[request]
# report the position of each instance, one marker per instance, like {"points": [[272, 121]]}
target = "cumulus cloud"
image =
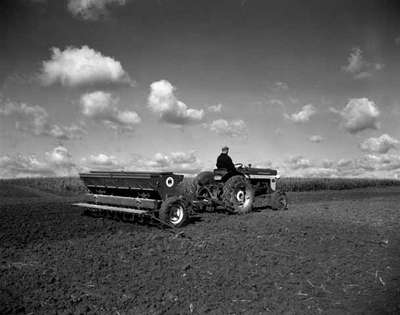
{"points": [[23, 166], [358, 67], [366, 166], [34, 120], [359, 114], [103, 162], [380, 144], [215, 108], [81, 67], [60, 159], [369, 165], [303, 115], [233, 128], [316, 138], [300, 166], [92, 9], [297, 162], [183, 162], [57, 162], [385, 162], [163, 101], [102, 106]]}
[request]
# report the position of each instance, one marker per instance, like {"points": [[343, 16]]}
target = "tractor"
{"points": [[130, 195], [236, 191]]}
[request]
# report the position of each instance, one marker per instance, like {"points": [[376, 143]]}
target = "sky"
{"points": [[310, 88]]}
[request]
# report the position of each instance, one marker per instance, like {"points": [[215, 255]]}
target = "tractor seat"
{"points": [[220, 171]]}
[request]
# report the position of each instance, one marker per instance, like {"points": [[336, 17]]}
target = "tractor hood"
{"points": [[259, 171]]}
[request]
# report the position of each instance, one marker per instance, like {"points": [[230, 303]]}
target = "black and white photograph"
{"points": [[162, 157]]}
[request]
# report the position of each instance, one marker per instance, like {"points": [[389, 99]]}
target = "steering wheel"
{"points": [[239, 165]]}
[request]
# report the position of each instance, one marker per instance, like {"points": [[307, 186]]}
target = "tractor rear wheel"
{"points": [[174, 211], [238, 194]]}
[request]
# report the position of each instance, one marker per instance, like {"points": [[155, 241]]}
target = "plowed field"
{"points": [[332, 252]]}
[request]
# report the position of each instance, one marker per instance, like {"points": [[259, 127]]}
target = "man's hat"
{"points": [[225, 148]]}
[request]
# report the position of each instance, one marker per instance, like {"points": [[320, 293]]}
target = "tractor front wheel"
{"points": [[238, 194], [174, 211], [279, 201]]}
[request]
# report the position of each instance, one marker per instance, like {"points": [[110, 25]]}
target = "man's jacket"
{"points": [[224, 161]]}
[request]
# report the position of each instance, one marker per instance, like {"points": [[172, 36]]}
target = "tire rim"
{"points": [[240, 196], [169, 182], [176, 214], [283, 201]]}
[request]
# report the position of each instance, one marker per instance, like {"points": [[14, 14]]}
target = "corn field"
{"points": [[315, 184]]}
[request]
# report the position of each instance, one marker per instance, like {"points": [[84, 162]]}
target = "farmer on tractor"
{"points": [[224, 160]]}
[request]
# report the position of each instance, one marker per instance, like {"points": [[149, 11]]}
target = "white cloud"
{"points": [[103, 159], [82, 66], [233, 128], [215, 108], [61, 160], [300, 166], [34, 120], [397, 40], [171, 110], [380, 144], [182, 162], [102, 106], [297, 162], [92, 9], [386, 162], [23, 166], [103, 162], [303, 115], [367, 166], [358, 67], [58, 162], [316, 138], [359, 114]]}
